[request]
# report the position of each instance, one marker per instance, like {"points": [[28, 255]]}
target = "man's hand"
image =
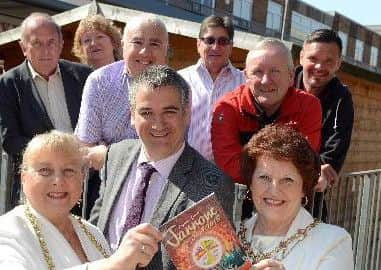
{"points": [[328, 177], [96, 156]]}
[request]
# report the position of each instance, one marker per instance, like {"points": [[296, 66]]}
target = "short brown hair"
{"points": [[324, 36], [99, 23], [282, 143], [217, 21]]}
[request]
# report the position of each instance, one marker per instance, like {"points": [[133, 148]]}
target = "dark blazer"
{"points": [[22, 113], [191, 179]]}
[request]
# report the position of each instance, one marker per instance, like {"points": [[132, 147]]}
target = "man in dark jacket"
{"points": [[42, 93], [320, 59]]}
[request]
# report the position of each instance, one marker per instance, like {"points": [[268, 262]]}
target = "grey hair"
{"points": [[137, 21], [275, 43], [158, 76], [33, 16]]}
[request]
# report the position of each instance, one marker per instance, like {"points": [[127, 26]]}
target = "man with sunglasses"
{"points": [[210, 78]]}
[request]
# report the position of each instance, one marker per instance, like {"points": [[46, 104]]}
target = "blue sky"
{"points": [[366, 12]]}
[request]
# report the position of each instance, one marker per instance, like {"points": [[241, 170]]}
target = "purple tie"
{"points": [[137, 204]]}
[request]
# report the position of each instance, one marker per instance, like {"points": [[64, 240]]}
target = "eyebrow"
{"points": [[171, 108], [155, 40]]}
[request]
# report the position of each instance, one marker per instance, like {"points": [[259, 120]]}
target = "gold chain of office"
{"points": [[44, 247], [280, 251]]}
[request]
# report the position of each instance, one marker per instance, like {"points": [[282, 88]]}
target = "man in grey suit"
{"points": [[160, 109], [43, 92]]}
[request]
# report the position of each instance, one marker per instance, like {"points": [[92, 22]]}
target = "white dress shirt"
{"points": [[158, 181], [52, 94], [205, 93]]}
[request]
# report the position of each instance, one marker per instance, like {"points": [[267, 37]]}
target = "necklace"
{"points": [[44, 247], [280, 251]]}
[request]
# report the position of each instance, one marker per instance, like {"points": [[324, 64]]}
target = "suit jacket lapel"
{"points": [[32, 96], [123, 167], [176, 183], [71, 92]]}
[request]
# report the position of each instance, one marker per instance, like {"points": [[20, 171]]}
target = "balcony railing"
{"points": [[355, 204]]}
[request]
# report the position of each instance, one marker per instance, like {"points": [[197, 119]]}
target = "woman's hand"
{"points": [[268, 264], [137, 247]]}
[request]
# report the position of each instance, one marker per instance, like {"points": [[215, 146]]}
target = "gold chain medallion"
{"points": [[280, 251], [37, 229]]}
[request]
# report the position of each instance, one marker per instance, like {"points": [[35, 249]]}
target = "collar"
{"points": [[301, 220], [300, 85], [200, 66], [249, 107], [163, 166], [35, 74], [126, 78]]}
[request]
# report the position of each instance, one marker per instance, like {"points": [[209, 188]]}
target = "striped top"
{"points": [[205, 93], [105, 109]]}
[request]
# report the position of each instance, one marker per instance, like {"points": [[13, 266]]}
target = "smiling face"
{"points": [[268, 77], [97, 48], [52, 182], [160, 121], [144, 45], [42, 46], [320, 62], [277, 190], [215, 56]]}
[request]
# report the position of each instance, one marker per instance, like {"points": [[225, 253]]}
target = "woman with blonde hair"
{"points": [[97, 42], [42, 234]]}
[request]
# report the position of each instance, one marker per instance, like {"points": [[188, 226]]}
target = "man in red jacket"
{"points": [[267, 97]]}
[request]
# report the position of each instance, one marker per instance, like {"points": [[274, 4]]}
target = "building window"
{"points": [[359, 50], [207, 3], [301, 26], [344, 40], [242, 9], [274, 16], [373, 56]]}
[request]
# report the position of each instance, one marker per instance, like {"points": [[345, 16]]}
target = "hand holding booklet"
{"points": [[202, 237]]}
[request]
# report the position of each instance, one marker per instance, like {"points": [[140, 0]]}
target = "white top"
{"points": [[326, 247], [205, 93], [21, 250]]}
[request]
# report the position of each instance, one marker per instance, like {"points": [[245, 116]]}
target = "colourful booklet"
{"points": [[202, 237]]}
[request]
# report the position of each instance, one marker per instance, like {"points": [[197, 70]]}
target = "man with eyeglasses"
{"points": [[266, 98], [42, 93], [210, 78]]}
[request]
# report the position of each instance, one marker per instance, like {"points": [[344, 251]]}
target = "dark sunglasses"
{"points": [[222, 41]]}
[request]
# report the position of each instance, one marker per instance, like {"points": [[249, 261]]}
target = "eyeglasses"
{"points": [[221, 41], [49, 173]]}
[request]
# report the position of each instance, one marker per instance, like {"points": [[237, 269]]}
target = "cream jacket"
{"points": [[20, 248], [326, 247]]}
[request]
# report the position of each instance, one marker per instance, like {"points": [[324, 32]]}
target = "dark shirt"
{"points": [[338, 115]]}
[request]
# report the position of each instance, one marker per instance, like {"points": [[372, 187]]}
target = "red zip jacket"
{"points": [[235, 120]]}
